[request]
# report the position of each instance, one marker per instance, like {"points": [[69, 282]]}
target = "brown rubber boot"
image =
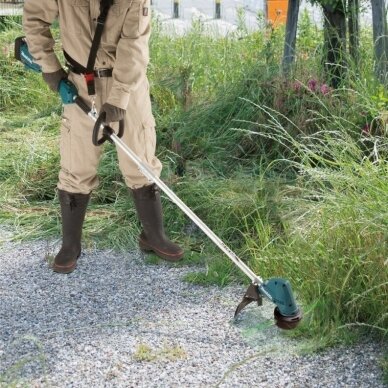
{"points": [[73, 209], [153, 238]]}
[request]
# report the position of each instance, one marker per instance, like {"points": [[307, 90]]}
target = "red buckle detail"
{"points": [[89, 77]]}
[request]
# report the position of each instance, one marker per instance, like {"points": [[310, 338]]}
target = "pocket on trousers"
{"points": [[148, 122], [65, 144], [149, 139]]}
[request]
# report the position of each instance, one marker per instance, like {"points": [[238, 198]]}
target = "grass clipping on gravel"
{"points": [[167, 353]]}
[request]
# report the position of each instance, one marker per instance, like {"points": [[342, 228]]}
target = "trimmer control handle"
{"points": [[107, 131]]}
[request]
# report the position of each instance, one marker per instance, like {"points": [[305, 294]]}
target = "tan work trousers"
{"points": [[80, 158]]}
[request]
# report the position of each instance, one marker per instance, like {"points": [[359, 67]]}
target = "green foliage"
{"points": [[384, 365], [335, 237], [381, 98], [309, 34], [19, 88], [10, 23]]}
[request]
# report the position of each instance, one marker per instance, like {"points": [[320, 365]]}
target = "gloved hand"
{"points": [[113, 113], [53, 79]]}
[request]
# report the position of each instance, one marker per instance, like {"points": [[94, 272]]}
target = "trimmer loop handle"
{"points": [[107, 131]]}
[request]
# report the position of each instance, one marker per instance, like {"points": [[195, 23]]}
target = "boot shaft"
{"points": [[149, 209], [73, 210], [153, 238]]}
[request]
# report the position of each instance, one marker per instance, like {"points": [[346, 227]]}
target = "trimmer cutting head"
{"points": [[287, 314], [287, 322]]}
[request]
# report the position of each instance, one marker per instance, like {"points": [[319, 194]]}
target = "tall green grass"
{"points": [[334, 245]]}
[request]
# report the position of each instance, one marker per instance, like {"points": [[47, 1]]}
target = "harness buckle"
{"points": [[89, 78]]}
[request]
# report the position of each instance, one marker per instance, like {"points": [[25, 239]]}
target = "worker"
{"points": [[117, 87]]}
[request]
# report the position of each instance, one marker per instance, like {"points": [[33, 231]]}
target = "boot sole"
{"points": [[145, 247], [66, 268]]}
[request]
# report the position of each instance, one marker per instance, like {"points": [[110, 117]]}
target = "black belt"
{"points": [[99, 73]]}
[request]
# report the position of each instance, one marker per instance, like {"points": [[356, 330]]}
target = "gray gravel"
{"points": [[117, 322]]}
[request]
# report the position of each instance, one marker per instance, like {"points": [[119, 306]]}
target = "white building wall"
{"points": [[205, 9]]}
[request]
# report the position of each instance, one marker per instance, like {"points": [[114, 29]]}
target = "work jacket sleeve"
{"points": [[132, 54], [38, 15]]}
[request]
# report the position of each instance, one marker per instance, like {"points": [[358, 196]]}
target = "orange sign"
{"points": [[277, 12]]}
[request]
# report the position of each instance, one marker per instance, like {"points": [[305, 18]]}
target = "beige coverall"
{"points": [[124, 47]]}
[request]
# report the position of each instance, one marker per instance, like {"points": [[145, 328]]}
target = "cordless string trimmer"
{"points": [[277, 290]]}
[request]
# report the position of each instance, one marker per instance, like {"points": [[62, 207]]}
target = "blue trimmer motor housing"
{"points": [[287, 313]]}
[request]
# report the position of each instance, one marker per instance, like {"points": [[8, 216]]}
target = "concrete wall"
{"points": [[206, 10], [11, 7]]}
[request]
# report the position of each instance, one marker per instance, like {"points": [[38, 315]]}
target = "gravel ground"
{"points": [[117, 322]]}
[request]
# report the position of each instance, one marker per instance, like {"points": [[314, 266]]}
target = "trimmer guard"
{"points": [[251, 295]]}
